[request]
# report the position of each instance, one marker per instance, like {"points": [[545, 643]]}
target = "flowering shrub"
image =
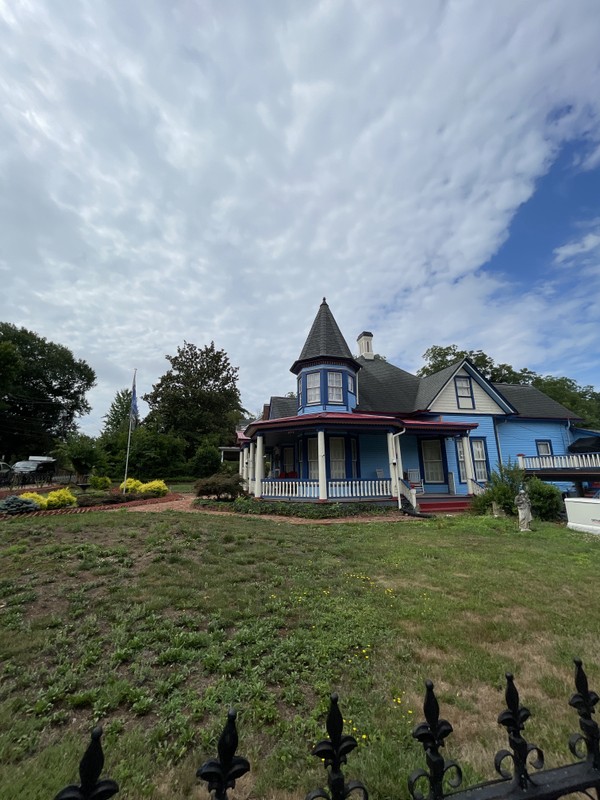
{"points": [[36, 498], [154, 489], [61, 498], [131, 485]]}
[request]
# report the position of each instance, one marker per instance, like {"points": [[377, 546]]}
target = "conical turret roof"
{"points": [[325, 340]]}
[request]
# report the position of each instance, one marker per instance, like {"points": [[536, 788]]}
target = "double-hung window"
{"points": [[313, 388], [479, 459], [464, 391], [351, 384], [313, 460], [299, 391], [337, 458], [334, 387]]}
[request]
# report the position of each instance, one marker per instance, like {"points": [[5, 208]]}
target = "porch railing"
{"points": [[569, 461], [359, 488], [476, 487], [290, 487], [336, 489]]}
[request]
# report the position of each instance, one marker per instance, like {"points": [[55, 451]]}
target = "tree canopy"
{"points": [[42, 392], [582, 400], [197, 397], [117, 418]]}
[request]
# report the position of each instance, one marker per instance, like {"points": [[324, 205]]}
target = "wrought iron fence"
{"points": [[440, 780]]}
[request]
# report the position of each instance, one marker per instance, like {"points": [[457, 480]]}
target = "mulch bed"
{"points": [[168, 498]]}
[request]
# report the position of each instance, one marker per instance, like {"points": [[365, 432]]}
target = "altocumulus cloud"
{"points": [[209, 170]]}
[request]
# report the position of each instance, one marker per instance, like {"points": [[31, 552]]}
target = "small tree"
{"points": [[207, 460]]}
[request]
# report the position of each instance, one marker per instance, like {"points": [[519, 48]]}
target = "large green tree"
{"points": [[42, 392], [197, 398], [583, 400]]}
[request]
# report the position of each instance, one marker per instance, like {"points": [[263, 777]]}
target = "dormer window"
{"points": [[313, 388], [464, 392], [334, 387]]}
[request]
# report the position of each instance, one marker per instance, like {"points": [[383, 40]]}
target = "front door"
{"points": [[433, 464]]}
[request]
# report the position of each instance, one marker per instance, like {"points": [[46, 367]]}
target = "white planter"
{"points": [[583, 514]]}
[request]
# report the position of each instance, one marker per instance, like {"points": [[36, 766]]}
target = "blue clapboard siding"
{"points": [[484, 430], [373, 454], [519, 436]]}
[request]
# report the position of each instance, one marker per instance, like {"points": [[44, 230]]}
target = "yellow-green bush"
{"points": [[61, 498], [154, 489], [39, 499], [131, 485]]}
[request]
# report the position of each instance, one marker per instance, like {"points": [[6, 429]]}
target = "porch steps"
{"points": [[444, 505]]}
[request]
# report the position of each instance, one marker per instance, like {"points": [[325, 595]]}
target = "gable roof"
{"points": [[431, 385], [283, 407], [530, 402], [324, 339], [384, 387]]}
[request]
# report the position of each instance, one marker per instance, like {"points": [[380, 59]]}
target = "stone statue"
{"points": [[523, 505]]}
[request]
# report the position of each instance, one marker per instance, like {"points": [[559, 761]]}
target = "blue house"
{"points": [[361, 428]]}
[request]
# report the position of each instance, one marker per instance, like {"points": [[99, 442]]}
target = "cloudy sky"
{"points": [[196, 170]]}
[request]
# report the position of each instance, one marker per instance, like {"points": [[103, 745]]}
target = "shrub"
{"points": [[17, 505], [207, 461], [546, 500], [250, 505], [38, 499], [61, 498], [130, 485], [220, 485], [100, 484], [503, 486], [154, 489]]}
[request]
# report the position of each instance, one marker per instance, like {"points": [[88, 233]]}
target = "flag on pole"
{"points": [[133, 412]]}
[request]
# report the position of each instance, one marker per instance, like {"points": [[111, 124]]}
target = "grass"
{"points": [[155, 624]]}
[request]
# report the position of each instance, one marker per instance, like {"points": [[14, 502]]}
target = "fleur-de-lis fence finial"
{"points": [[334, 752], [584, 702], [514, 718], [432, 734], [90, 769], [221, 773]]}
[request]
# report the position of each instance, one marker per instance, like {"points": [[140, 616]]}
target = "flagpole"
{"points": [[131, 415]]}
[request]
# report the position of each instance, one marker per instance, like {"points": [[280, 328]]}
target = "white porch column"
{"points": [[399, 465], [469, 468], [241, 466], [245, 464], [393, 463], [251, 465], [322, 465], [259, 469]]}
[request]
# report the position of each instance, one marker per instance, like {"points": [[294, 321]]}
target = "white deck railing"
{"points": [[290, 487], [570, 461], [359, 488], [296, 488]]}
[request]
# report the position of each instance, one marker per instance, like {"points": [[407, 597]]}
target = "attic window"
{"points": [[464, 392]]}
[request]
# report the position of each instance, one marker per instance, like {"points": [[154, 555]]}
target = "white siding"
{"points": [[445, 402]]}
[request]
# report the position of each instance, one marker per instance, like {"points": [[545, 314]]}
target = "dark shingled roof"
{"points": [[384, 387], [283, 407], [431, 385], [530, 402], [324, 339]]}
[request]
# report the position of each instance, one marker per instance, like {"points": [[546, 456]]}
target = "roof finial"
{"points": [[324, 303]]}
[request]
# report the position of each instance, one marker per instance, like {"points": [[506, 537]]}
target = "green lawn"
{"points": [[155, 624]]}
